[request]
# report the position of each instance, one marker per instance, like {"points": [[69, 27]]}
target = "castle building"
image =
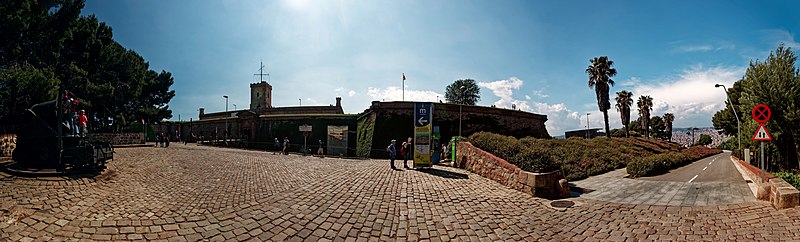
{"points": [[260, 96], [362, 134]]}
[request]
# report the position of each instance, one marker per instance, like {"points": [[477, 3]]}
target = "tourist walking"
{"points": [[321, 150], [276, 146], [404, 153], [83, 122], [286, 145], [444, 152], [392, 153], [167, 139]]}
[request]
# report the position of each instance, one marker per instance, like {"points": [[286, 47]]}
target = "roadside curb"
{"points": [[750, 183]]}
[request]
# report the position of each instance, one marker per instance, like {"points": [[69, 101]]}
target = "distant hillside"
{"points": [[680, 136]]}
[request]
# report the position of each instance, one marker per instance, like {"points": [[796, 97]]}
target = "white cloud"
{"points": [[694, 48], [396, 94], [782, 36], [559, 117], [351, 93], [633, 81], [691, 96], [539, 93], [704, 47], [504, 90]]}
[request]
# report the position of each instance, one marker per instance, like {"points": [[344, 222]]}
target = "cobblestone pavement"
{"points": [[189, 193]]}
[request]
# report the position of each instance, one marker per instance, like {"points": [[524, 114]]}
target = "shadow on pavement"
{"points": [[444, 174], [575, 191]]}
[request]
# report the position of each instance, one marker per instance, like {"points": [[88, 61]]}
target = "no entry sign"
{"points": [[761, 113]]}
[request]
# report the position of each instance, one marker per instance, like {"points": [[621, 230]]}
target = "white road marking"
{"points": [[704, 168], [690, 181], [710, 163]]}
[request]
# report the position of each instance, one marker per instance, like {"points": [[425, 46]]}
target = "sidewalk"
{"points": [[615, 187]]}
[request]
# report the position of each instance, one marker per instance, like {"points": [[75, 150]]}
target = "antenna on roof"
{"points": [[260, 73]]}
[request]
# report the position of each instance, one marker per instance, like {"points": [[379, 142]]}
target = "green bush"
{"points": [[661, 163], [790, 177], [534, 161], [513, 151], [577, 157]]}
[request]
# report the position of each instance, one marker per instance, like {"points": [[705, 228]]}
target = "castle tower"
{"points": [[260, 96]]}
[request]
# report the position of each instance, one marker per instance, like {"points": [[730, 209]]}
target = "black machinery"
{"points": [[38, 142]]}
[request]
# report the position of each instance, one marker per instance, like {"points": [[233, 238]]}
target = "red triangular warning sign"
{"points": [[762, 134]]}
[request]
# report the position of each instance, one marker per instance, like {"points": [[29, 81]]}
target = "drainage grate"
{"points": [[562, 204]]}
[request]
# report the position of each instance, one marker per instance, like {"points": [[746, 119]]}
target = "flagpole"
{"points": [[404, 86]]}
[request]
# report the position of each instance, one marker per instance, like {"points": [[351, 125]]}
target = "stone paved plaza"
{"points": [[190, 193]]}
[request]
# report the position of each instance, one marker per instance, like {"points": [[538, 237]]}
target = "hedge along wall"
{"points": [[366, 128], [487, 165]]}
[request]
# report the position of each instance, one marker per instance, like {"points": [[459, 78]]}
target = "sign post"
{"points": [[761, 114], [306, 129], [423, 112]]}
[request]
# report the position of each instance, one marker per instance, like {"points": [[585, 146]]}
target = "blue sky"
{"points": [[529, 53]]}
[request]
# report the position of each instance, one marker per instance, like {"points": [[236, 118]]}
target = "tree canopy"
{"points": [[774, 82], [600, 73], [469, 95], [645, 104], [624, 102], [47, 45], [725, 120], [668, 119]]}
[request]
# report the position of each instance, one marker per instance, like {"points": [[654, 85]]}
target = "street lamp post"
{"points": [[234, 107], [460, 105], [587, 125], [738, 123], [226, 118], [301, 101]]}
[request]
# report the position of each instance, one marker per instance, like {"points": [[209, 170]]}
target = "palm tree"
{"points": [[624, 103], [600, 73], [645, 104], [668, 118]]}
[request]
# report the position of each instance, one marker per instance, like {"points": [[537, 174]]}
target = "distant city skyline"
{"points": [[528, 54]]}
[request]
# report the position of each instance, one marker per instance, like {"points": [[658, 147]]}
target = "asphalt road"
{"points": [[718, 168]]}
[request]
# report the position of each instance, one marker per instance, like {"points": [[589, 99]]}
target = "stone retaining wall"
{"points": [[781, 193], [7, 144], [487, 165], [119, 138]]}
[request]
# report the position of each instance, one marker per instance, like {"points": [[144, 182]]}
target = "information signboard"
{"points": [[423, 113]]}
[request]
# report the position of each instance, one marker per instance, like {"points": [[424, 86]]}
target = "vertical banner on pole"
{"points": [[423, 112]]}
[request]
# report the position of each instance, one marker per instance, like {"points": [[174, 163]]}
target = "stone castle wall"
{"points": [[7, 144], [394, 120], [119, 138]]}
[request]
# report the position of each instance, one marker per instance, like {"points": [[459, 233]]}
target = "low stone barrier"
{"points": [[119, 138], [490, 166], [779, 192], [7, 145]]}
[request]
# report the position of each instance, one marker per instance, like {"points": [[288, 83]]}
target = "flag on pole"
{"points": [[404, 76]]}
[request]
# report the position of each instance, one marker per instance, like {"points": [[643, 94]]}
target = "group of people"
{"points": [[163, 139], [75, 120], [405, 152], [284, 147]]}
